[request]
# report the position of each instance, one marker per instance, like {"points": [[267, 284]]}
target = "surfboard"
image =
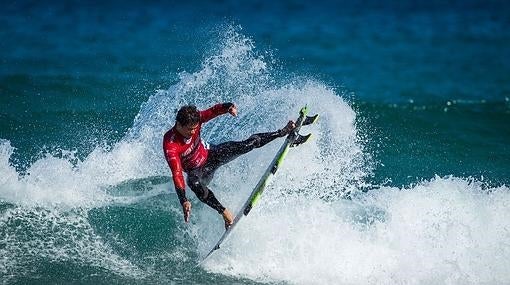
{"points": [[292, 140]]}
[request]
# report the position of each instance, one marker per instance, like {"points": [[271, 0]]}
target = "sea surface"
{"points": [[405, 181]]}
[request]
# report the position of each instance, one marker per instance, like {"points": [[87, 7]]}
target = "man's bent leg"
{"points": [[203, 193]]}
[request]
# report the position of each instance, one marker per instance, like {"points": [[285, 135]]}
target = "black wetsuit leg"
{"points": [[199, 178], [228, 151], [199, 187]]}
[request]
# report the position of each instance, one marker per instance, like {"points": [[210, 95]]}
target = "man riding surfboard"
{"points": [[185, 151]]}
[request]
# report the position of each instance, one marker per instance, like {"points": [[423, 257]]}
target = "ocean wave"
{"points": [[445, 230]]}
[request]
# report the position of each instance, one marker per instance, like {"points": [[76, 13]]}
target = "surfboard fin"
{"points": [[310, 120], [300, 140]]}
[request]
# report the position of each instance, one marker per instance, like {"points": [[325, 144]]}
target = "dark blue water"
{"points": [[415, 105]]}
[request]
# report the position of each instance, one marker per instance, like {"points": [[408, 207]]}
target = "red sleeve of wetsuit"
{"points": [[214, 111], [174, 161]]}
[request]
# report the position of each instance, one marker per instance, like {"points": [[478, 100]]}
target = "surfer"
{"points": [[186, 152]]}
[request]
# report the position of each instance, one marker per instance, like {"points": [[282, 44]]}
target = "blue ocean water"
{"points": [[414, 101]]}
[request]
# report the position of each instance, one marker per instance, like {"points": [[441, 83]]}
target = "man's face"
{"points": [[187, 131]]}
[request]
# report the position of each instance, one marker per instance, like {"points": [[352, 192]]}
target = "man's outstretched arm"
{"points": [[217, 110]]}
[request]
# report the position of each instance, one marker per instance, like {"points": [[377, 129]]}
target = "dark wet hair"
{"points": [[188, 115]]}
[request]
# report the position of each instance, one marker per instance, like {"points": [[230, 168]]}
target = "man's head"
{"points": [[187, 121]]}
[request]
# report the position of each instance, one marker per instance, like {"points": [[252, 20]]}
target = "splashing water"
{"points": [[446, 230]]}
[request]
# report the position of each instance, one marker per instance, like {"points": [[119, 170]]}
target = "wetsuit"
{"points": [[200, 162]]}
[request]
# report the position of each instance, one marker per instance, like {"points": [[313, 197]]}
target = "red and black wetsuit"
{"points": [[199, 162]]}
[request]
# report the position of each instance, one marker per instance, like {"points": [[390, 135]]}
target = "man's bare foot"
{"points": [[288, 128], [228, 217]]}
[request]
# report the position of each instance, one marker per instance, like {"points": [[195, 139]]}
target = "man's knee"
{"points": [[193, 181], [196, 186]]}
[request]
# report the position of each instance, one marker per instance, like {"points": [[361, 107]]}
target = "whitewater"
{"points": [[319, 222]]}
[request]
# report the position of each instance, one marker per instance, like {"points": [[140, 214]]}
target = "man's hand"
{"points": [[186, 210], [233, 110]]}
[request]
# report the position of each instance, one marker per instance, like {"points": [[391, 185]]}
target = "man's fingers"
{"points": [[186, 216], [186, 209]]}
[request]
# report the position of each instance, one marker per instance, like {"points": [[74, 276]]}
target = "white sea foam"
{"points": [[448, 230]]}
